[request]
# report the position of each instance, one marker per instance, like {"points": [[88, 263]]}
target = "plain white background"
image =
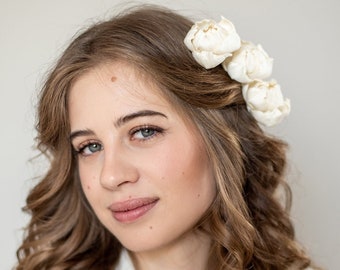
{"points": [[301, 35]]}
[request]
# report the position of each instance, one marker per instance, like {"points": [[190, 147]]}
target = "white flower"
{"points": [[214, 43], [211, 43], [265, 101], [249, 63]]}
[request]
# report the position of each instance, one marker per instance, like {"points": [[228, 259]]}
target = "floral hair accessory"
{"points": [[211, 43], [214, 43], [265, 102]]}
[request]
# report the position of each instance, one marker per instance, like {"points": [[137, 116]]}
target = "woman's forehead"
{"points": [[126, 74], [118, 84]]}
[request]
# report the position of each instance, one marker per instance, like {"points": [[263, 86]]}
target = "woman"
{"points": [[157, 157]]}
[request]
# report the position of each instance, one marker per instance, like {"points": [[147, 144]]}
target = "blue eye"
{"points": [[145, 133], [90, 149]]}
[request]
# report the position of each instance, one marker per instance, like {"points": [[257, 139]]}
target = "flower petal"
{"points": [[211, 43], [265, 102], [208, 59], [256, 63]]}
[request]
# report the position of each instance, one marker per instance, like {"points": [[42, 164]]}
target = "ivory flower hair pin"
{"points": [[214, 43]]}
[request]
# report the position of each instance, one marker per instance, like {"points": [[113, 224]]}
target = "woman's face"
{"points": [[143, 169]]}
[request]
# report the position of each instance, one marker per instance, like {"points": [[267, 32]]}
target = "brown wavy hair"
{"points": [[249, 226]]}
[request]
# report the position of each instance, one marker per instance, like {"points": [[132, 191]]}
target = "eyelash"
{"points": [[84, 146], [153, 129]]}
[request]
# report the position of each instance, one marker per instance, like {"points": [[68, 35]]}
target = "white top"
{"points": [[125, 262]]}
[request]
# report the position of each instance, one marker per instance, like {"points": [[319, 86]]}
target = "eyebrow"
{"points": [[79, 133], [120, 121], [123, 120]]}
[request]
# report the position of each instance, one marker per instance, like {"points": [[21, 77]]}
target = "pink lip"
{"points": [[131, 210]]}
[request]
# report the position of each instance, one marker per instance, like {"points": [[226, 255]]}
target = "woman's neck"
{"points": [[189, 252]]}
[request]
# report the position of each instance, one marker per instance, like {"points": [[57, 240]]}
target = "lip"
{"points": [[131, 210]]}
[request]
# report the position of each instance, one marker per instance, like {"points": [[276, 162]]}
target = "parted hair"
{"points": [[249, 225]]}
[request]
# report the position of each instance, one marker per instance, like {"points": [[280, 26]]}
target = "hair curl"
{"points": [[249, 227]]}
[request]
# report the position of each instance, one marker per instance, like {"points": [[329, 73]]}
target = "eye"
{"points": [[145, 133], [90, 148]]}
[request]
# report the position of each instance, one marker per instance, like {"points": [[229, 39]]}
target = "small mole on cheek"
{"points": [[198, 195], [113, 79], [88, 187], [150, 227]]}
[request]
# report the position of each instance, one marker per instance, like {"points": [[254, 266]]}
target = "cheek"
{"points": [[87, 187], [199, 179], [186, 172], [88, 181], [93, 195]]}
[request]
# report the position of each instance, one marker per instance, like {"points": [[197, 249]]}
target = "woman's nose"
{"points": [[117, 169]]}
